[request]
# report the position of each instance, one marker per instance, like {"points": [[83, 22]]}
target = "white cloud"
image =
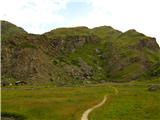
{"points": [[39, 16], [32, 14]]}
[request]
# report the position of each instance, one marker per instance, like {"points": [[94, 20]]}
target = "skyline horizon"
{"points": [[38, 16]]}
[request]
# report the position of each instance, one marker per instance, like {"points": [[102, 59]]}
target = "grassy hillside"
{"points": [[131, 55], [9, 31], [78, 55]]}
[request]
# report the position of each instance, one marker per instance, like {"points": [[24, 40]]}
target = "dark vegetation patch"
{"points": [[12, 116]]}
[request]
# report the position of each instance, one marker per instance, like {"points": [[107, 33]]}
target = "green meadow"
{"points": [[57, 103], [133, 102]]}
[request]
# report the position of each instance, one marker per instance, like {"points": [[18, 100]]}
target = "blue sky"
{"points": [[75, 10], [39, 16]]}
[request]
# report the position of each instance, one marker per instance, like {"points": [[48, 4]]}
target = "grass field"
{"points": [[55, 103], [133, 102]]}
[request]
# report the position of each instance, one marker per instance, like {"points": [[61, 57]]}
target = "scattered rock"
{"points": [[20, 83], [153, 88], [10, 84], [98, 51], [81, 72]]}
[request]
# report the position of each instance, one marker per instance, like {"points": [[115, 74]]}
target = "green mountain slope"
{"points": [[9, 30], [77, 55]]}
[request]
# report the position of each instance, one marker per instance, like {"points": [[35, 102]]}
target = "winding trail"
{"points": [[116, 90], [86, 113]]}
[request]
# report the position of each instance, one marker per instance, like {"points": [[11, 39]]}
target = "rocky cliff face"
{"points": [[77, 55]]}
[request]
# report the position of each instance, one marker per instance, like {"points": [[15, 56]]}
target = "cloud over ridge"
{"points": [[39, 16]]}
